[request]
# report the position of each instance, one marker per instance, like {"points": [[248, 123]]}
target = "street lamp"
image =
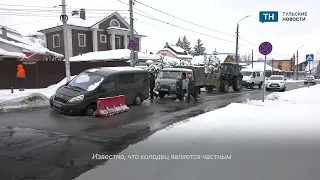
{"points": [[297, 69], [237, 39]]}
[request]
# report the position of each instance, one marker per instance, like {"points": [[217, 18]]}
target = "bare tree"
{"points": [[260, 59], [245, 58], [37, 38]]}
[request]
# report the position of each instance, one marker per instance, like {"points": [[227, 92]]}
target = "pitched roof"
{"points": [[88, 23], [5, 53], [29, 46]]}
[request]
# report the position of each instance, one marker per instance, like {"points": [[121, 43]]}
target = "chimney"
{"points": [[4, 32], [167, 44], [83, 14]]}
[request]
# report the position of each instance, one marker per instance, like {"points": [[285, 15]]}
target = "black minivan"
{"points": [[79, 96]]}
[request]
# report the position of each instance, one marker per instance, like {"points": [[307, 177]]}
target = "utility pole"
{"points": [[131, 32], [297, 64], [252, 58], [237, 43], [64, 19]]}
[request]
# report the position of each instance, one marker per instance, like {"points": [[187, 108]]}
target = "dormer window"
{"points": [[114, 23]]}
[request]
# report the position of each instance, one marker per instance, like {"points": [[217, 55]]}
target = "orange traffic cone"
{"points": [[21, 89]]}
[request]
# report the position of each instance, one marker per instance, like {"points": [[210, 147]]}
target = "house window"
{"points": [[118, 41], [103, 38], [82, 40], [56, 40], [114, 23]]}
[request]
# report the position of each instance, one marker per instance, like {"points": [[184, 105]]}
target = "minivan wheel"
{"points": [[90, 109], [138, 100]]}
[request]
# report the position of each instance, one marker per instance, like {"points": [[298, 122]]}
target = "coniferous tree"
{"points": [[198, 49], [186, 45], [179, 43]]}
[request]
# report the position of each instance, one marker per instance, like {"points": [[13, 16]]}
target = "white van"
{"points": [[252, 77]]}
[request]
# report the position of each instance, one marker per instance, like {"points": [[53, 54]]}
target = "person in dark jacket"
{"points": [[152, 85], [191, 89], [179, 85]]}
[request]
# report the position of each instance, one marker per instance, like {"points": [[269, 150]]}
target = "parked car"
{"points": [[251, 78], [276, 82], [310, 80], [79, 96]]}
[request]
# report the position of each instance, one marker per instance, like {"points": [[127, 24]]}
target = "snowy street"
{"points": [[63, 145]]}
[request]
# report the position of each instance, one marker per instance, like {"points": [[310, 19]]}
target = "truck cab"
{"points": [[166, 82]]}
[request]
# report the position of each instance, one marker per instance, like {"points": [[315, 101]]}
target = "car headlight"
{"points": [[173, 84], [77, 98], [158, 83]]}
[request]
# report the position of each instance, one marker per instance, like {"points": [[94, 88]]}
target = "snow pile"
{"points": [[28, 97], [237, 124], [118, 54]]}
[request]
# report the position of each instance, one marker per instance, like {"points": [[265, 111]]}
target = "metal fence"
{"points": [[42, 74]]}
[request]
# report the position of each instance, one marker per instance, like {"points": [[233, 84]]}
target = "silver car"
{"points": [[310, 80], [276, 82]]}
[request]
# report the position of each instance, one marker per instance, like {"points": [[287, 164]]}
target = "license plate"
{"points": [[164, 89], [273, 85], [56, 104]]}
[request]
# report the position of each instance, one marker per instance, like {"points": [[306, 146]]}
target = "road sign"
{"points": [[132, 44], [309, 57], [265, 48]]}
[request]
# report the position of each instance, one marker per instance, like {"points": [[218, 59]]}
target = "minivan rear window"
{"points": [[86, 81]]}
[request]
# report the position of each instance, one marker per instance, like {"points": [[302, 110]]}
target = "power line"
{"points": [[56, 10], [183, 19], [184, 28]]}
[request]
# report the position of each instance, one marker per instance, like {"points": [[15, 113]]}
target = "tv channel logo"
{"points": [[268, 16]]}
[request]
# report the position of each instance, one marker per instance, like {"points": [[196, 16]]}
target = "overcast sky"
{"points": [[219, 15]]}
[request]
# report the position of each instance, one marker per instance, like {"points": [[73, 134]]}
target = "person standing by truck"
{"points": [[191, 89], [152, 85]]}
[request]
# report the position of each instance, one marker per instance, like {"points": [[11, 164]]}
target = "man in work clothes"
{"points": [[152, 85], [191, 89], [21, 76]]}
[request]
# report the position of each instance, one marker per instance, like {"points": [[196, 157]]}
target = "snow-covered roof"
{"points": [[260, 66], [171, 60], [197, 60], [118, 54], [87, 23], [200, 59], [177, 48], [4, 53], [28, 46], [118, 28], [185, 56]]}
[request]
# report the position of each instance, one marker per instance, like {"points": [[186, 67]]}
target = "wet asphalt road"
{"points": [[42, 144]]}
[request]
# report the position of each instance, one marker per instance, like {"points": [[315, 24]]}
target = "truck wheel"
{"points": [[180, 96], [237, 86], [209, 88], [161, 94], [251, 85], [224, 87]]}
